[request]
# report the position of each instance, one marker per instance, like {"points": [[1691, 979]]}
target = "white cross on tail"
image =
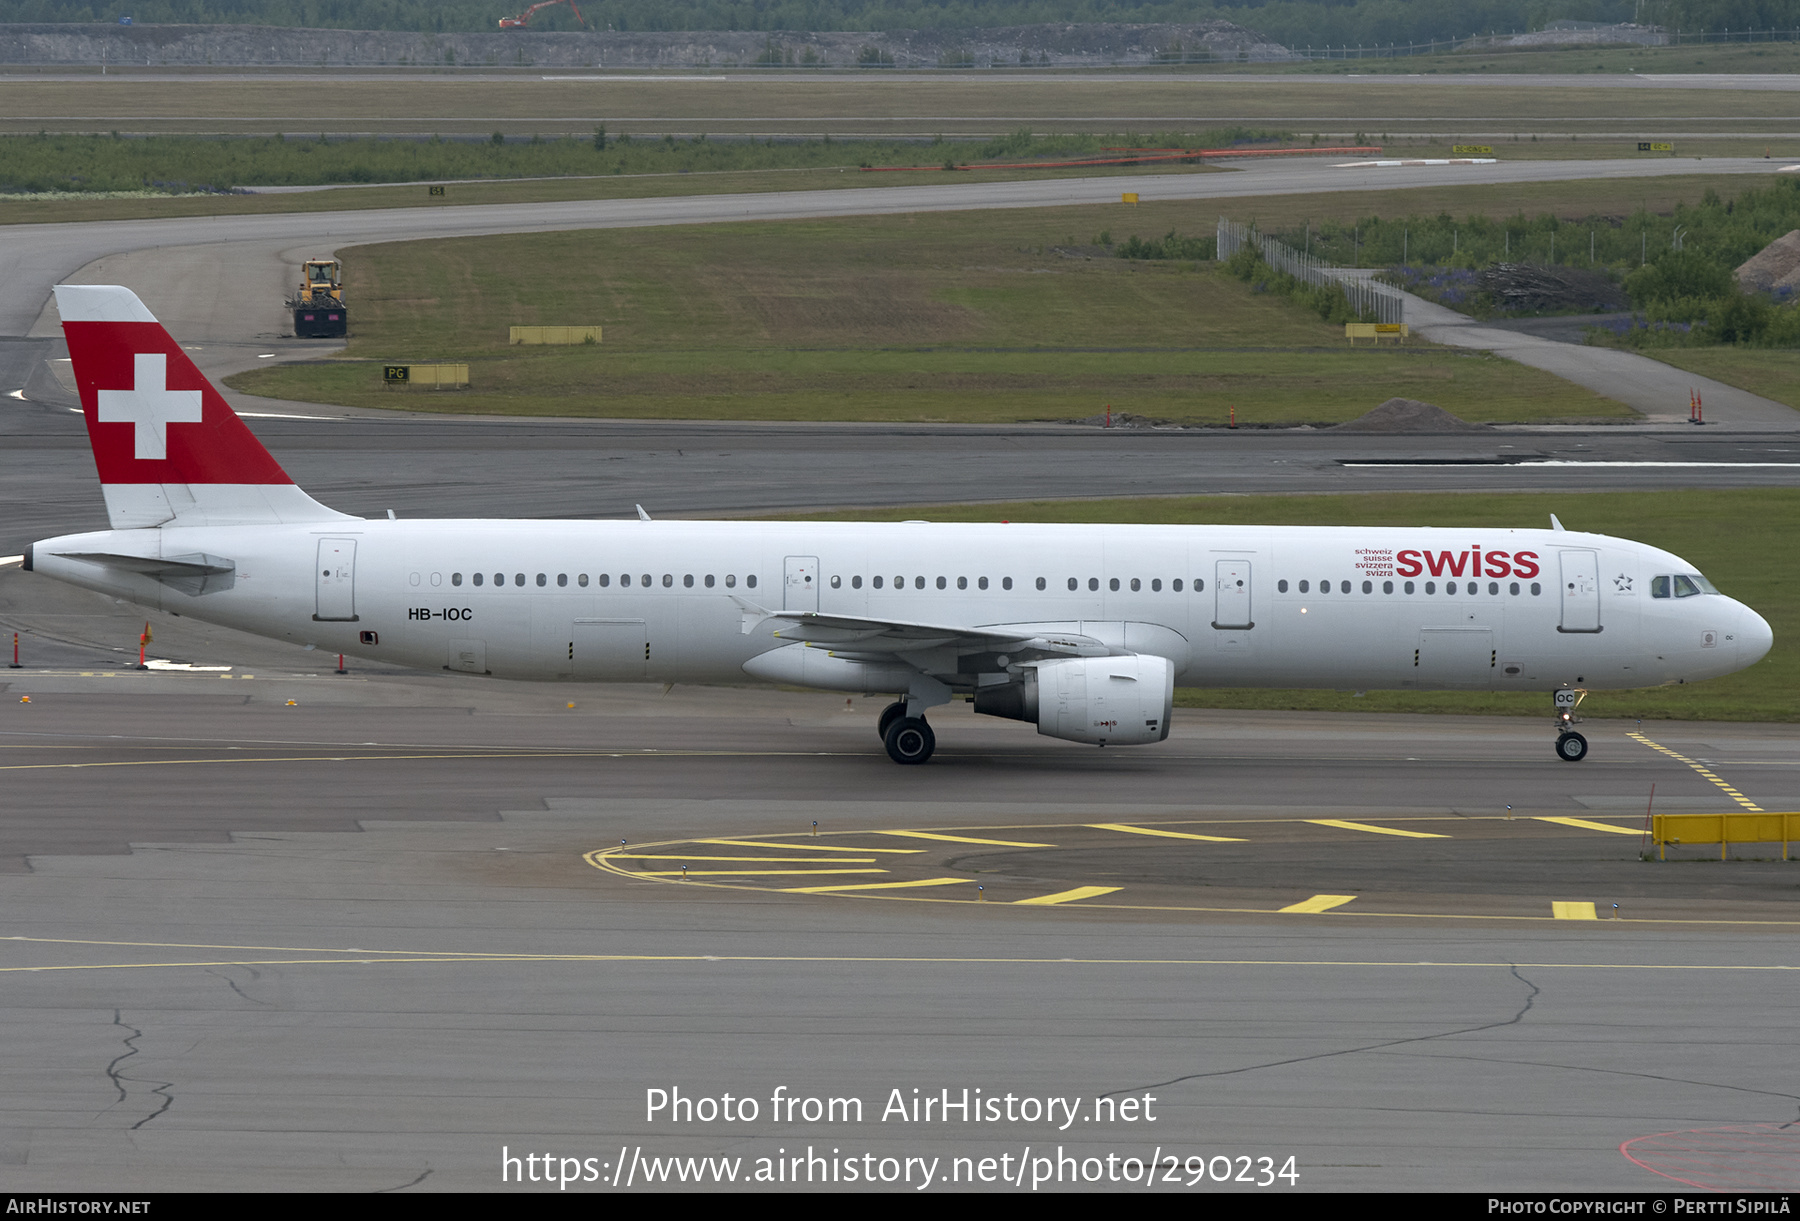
{"points": [[150, 405]]}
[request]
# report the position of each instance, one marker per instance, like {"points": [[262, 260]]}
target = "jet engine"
{"points": [[1121, 701]]}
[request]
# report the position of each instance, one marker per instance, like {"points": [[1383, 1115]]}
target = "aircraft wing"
{"points": [[848, 635]]}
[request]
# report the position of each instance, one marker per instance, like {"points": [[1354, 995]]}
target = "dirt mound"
{"points": [[1407, 415], [1118, 419], [1773, 269]]}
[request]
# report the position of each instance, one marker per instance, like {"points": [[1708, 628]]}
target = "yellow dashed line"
{"points": [[1363, 826], [1702, 769], [759, 843], [745, 860], [819, 890], [1572, 911], [740, 873], [1066, 896], [1318, 903], [1130, 830], [1586, 825], [964, 839]]}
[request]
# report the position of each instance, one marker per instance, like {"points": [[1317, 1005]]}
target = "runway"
{"points": [[260, 996]]}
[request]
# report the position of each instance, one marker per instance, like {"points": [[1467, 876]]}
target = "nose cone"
{"points": [[1754, 637]]}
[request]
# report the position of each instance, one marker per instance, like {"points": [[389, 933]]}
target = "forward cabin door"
{"points": [[801, 592], [1580, 591], [336, 580]]}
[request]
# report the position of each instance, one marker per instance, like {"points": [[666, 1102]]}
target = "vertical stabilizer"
{"points": [[169, 449]]}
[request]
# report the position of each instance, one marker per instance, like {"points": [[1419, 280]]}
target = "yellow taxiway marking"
{"points": [[762, 843], [819, 890], [1131, 830], [1066, 896], [1702, 769], [746, 860], [964, 839], [1318, 903], [1572, 911], [742, 873], [1586, 825], [1347, 825]]}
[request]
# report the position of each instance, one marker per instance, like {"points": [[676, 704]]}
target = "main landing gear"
{"points": [[1571, 747], [908, 738]]}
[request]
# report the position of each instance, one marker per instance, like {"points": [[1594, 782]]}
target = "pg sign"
{"points": [[396, 373]]}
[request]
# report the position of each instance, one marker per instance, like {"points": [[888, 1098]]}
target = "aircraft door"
{"points": [[801, 592], [610, 650], [1455, 657], [1231, 595], [1580, 591], [336, 567]]}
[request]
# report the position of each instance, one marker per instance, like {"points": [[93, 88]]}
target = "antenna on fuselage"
{"points": [[643, 516], [1554, 524]]}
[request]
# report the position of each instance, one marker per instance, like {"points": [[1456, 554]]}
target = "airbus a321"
{"points": [[1083, 631]]}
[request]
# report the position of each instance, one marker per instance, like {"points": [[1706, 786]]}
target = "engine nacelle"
{"points": [[1119, 701]]}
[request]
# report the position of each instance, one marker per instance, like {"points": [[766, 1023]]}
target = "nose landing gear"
{"points": [[1571, 747]]}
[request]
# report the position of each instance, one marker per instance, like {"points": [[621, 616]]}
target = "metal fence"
{"points": [[1367, 298]]}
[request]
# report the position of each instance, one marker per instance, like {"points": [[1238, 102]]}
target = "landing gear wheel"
{"points": [[1571, 748], [910, 740], [889, 715]]}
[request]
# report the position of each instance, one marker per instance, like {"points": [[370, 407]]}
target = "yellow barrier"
{"points": [[1723, 830], [1128, 197], [438, 377], [555, 334], [1354, 331]]}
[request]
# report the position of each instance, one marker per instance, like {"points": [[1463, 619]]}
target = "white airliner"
{"points": [[1082, 630]]}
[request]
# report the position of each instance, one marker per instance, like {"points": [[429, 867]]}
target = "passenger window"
{"points": [[437, 579], [963, 582], [645, 581], [1113, 585], [856, 582], [499, 578], [668, 580], [1368, 587], [562, 579], [1136, 584], [1324, 587], [478, 578], [941, 583], [604, 579], [919, 582], [519, 579], [1431, 587], [687, 582], [1156, 585], [1176, 585], [1450, 588], [1536, 589], [456, 578], [1094, 584], [1005, 582], [1305, 587], [1493, 587], [1199, 585], [582, 580], [1344, 587], [899, 582], [1074, 585], [1040, 582], [1281, 586], [837, 582], [749, 581], [624, 580], [542, 580], [709, 580], [982, 583], [1513, 589], [876, 582], [1387, 587], [731, 580]]}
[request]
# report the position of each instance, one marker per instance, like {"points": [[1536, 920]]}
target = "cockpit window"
{"points": [[1685, 587], [1682, 585], [1659, 587]]}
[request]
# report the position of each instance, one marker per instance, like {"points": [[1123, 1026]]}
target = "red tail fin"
{"points": [[168, 447]]}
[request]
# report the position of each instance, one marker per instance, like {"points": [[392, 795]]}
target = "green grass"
{"points": [[969, 316], [1741, 539]]}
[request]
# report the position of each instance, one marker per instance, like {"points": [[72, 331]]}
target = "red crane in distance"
{"points": [[524, 18]]}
